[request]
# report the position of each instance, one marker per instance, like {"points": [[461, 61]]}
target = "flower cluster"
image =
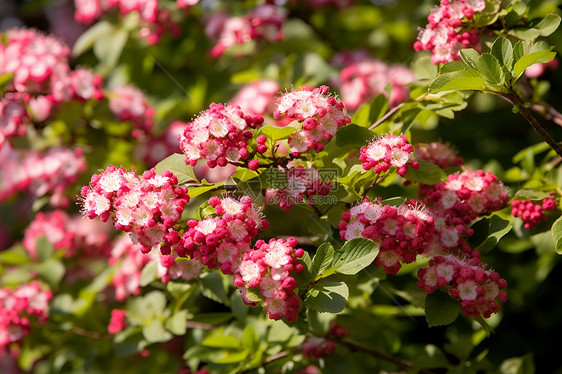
{"points": [[302, 183], [444, 35], [16, 308], [319, 117], [117, 322], [40, 173], [264, 276], [257, 97], [43, 80], [468, 195], [154, 18], [220, 135], [154, 149], [129, 104], [147, 208], [173, 267], [319, 347], [222, 239], [400, 232], [532, 214], [362, 78], [13, 116], [387, 151], [263, 22], [442, 155], [129, 261], [471, 284], [70, 233]]}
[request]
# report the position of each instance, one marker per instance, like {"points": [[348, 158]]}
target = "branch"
{"points": [[401, 363], [526, 113], [385, 117]]}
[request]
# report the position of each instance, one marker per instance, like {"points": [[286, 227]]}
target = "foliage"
{"points": [[290, 234]]}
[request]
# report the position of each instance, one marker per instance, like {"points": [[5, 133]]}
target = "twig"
{"points": [[385, 117], [401, 363], [516, 100]]}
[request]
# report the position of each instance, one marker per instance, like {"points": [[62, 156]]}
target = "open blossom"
{"points": [[40, 173], [221, 240], [219, 135], [385, 152], [302, 184], [362, 78], [474, 286], [318, 117], [147, 208], [445, 35], [468, 195], [401, 233], [72, 234], [129, 104], [442, 155], [264, 276], [17, 307], [263, 22], [172, 267], [532, 214], [257, 98]]}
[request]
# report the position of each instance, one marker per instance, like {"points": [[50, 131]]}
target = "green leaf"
{"points": [[148, 273], [155, 332], [319, 322], [470, 57], [328, 297], [213, 287], [367, 114], [108, 49], [428, 173], [453, 66], [458, 80], [99, 30], [16, 255], [196, 191], [518, 365], [274, 133], [5, 79], [355, 255], [527, 194], [490, 69], [322, 260], [129, 341], [177, 323], [503, 51], [44, 248], [244, 174], [353, 135], [250, 339], [221, 341], [234, 357], [557, 232], [548, 24], [440, 309], [518, 51], [176, 164], [52, 271], [532, 58], [497, 230]]}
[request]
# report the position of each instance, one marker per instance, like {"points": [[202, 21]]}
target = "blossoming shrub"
{"points": [[281, 186]]}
